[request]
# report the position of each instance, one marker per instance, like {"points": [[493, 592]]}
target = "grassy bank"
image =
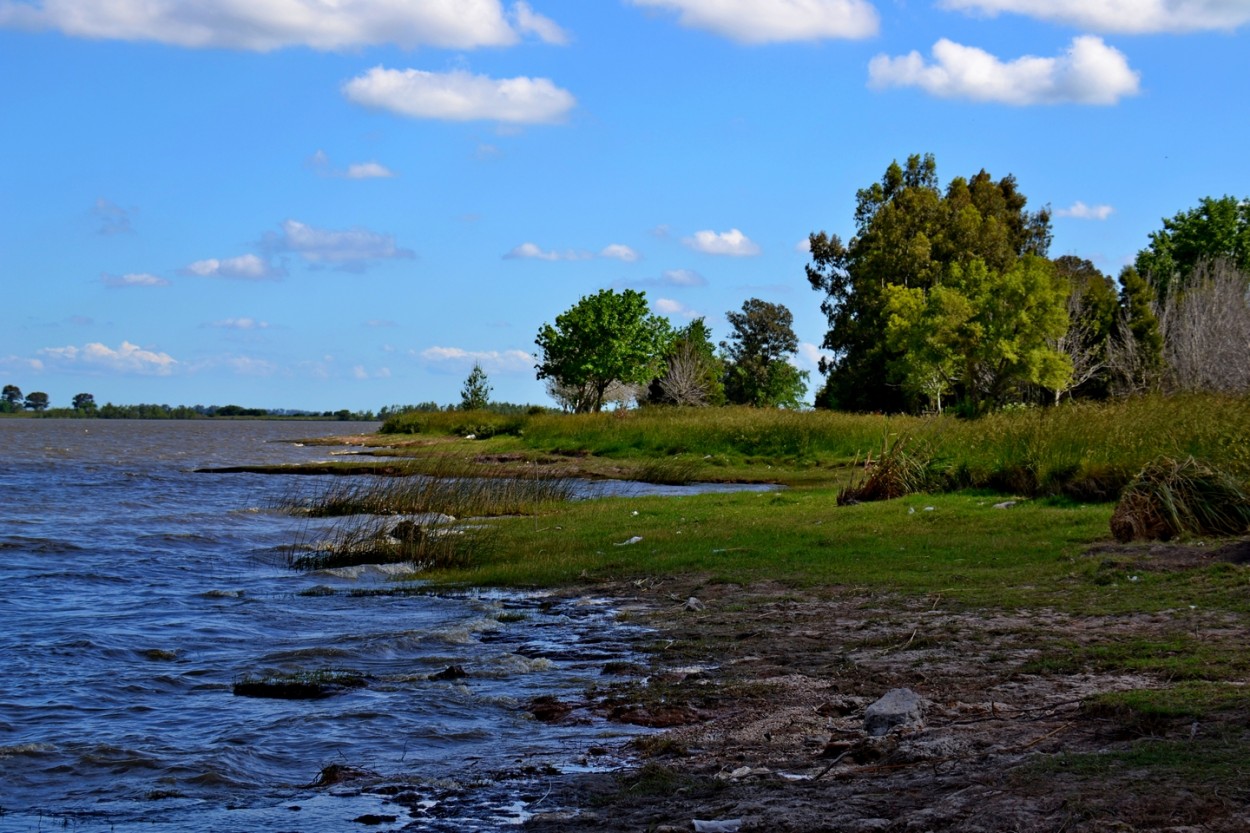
{"points": [[1087, 450], [1000, 581]]}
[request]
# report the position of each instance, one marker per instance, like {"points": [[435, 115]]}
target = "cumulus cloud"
{"points": [[264, 25], [1089, 72], [368, 170], [619, 251], [128, 358], [247, 267], [320, 162], [774, 21], [667, 306], [492, 361], [1081, 211], [239, 324], [133, 279], [1121, 16], [809, 356], [112, 218], [352, 250], [733, 243], [529, 22], [804, 246], [532, 251], [460, 96]]}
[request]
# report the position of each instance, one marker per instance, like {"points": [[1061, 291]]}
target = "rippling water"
{"points": [[136, 592]]}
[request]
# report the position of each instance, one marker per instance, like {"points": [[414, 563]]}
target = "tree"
{"points": [[757, 370], [36, 401], [692, 371], [84, 402], [1091, 306], [13, 395], [908, 234], [475, 395], [1206, 331], [989, 332], [1135, 351], [1216, 229], [603, 339]]}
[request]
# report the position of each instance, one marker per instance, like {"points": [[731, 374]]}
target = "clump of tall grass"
{"points": [[1170, 497], [903, 467], [449, 485], [668, 471], [479, 424], [360, 540]]}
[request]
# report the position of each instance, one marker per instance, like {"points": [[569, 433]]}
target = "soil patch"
{"points": [[765, 689]]}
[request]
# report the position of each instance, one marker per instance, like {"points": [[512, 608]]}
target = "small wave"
{"points": [[25, 749], [38, 545]]}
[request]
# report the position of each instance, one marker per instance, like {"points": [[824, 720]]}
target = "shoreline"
{"points": [[761, 691]]}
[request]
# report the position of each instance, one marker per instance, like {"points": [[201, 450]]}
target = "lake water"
{"points": [[136, 592]]}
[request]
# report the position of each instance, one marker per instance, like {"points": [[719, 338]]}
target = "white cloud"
{"points": [[362, 373], [112, 217], [532, 251], [619, 251], [804, 246], [492, 361], [1081, 211], [250, 366], [773, 21], [1121, 16], [733, 243], [460, 96], [320, 162], [128, 358], [239, 324], [682, 277], [133, 279], [667, 306], [263, 25], [352, 250], [245, 267], [529, 22], [368, 170], [1089, 72], [809, 356]]}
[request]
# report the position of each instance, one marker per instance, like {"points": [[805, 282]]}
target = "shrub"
{"points": [[1170, 497]]}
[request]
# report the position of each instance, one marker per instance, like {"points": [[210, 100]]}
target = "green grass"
{"points": [[1089, 451]]}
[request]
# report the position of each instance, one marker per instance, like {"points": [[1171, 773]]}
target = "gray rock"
{"points": [[899, 707]]}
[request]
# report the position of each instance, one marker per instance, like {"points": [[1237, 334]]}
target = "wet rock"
{"points": [[693, 605], [341, 774], [663, 717], [451, 672], [899, 707], [374, 819], [548, 709]]}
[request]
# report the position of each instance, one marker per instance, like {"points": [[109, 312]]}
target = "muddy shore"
{"points": [[763, 690]]}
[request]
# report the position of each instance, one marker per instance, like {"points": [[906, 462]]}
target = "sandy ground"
{"points": [[763, 692]]}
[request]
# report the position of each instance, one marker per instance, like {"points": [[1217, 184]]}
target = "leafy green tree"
{"points": [[1218, 229], [757, 370], [603, 339], [1092, 304], [989, 332], [84, 402], [908, 234], [36, 401], [12, 396], [1136, 350], [692, 371], [475, 395]]}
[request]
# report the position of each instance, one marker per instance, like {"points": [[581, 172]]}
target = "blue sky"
{"points": [[315, 204]]}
